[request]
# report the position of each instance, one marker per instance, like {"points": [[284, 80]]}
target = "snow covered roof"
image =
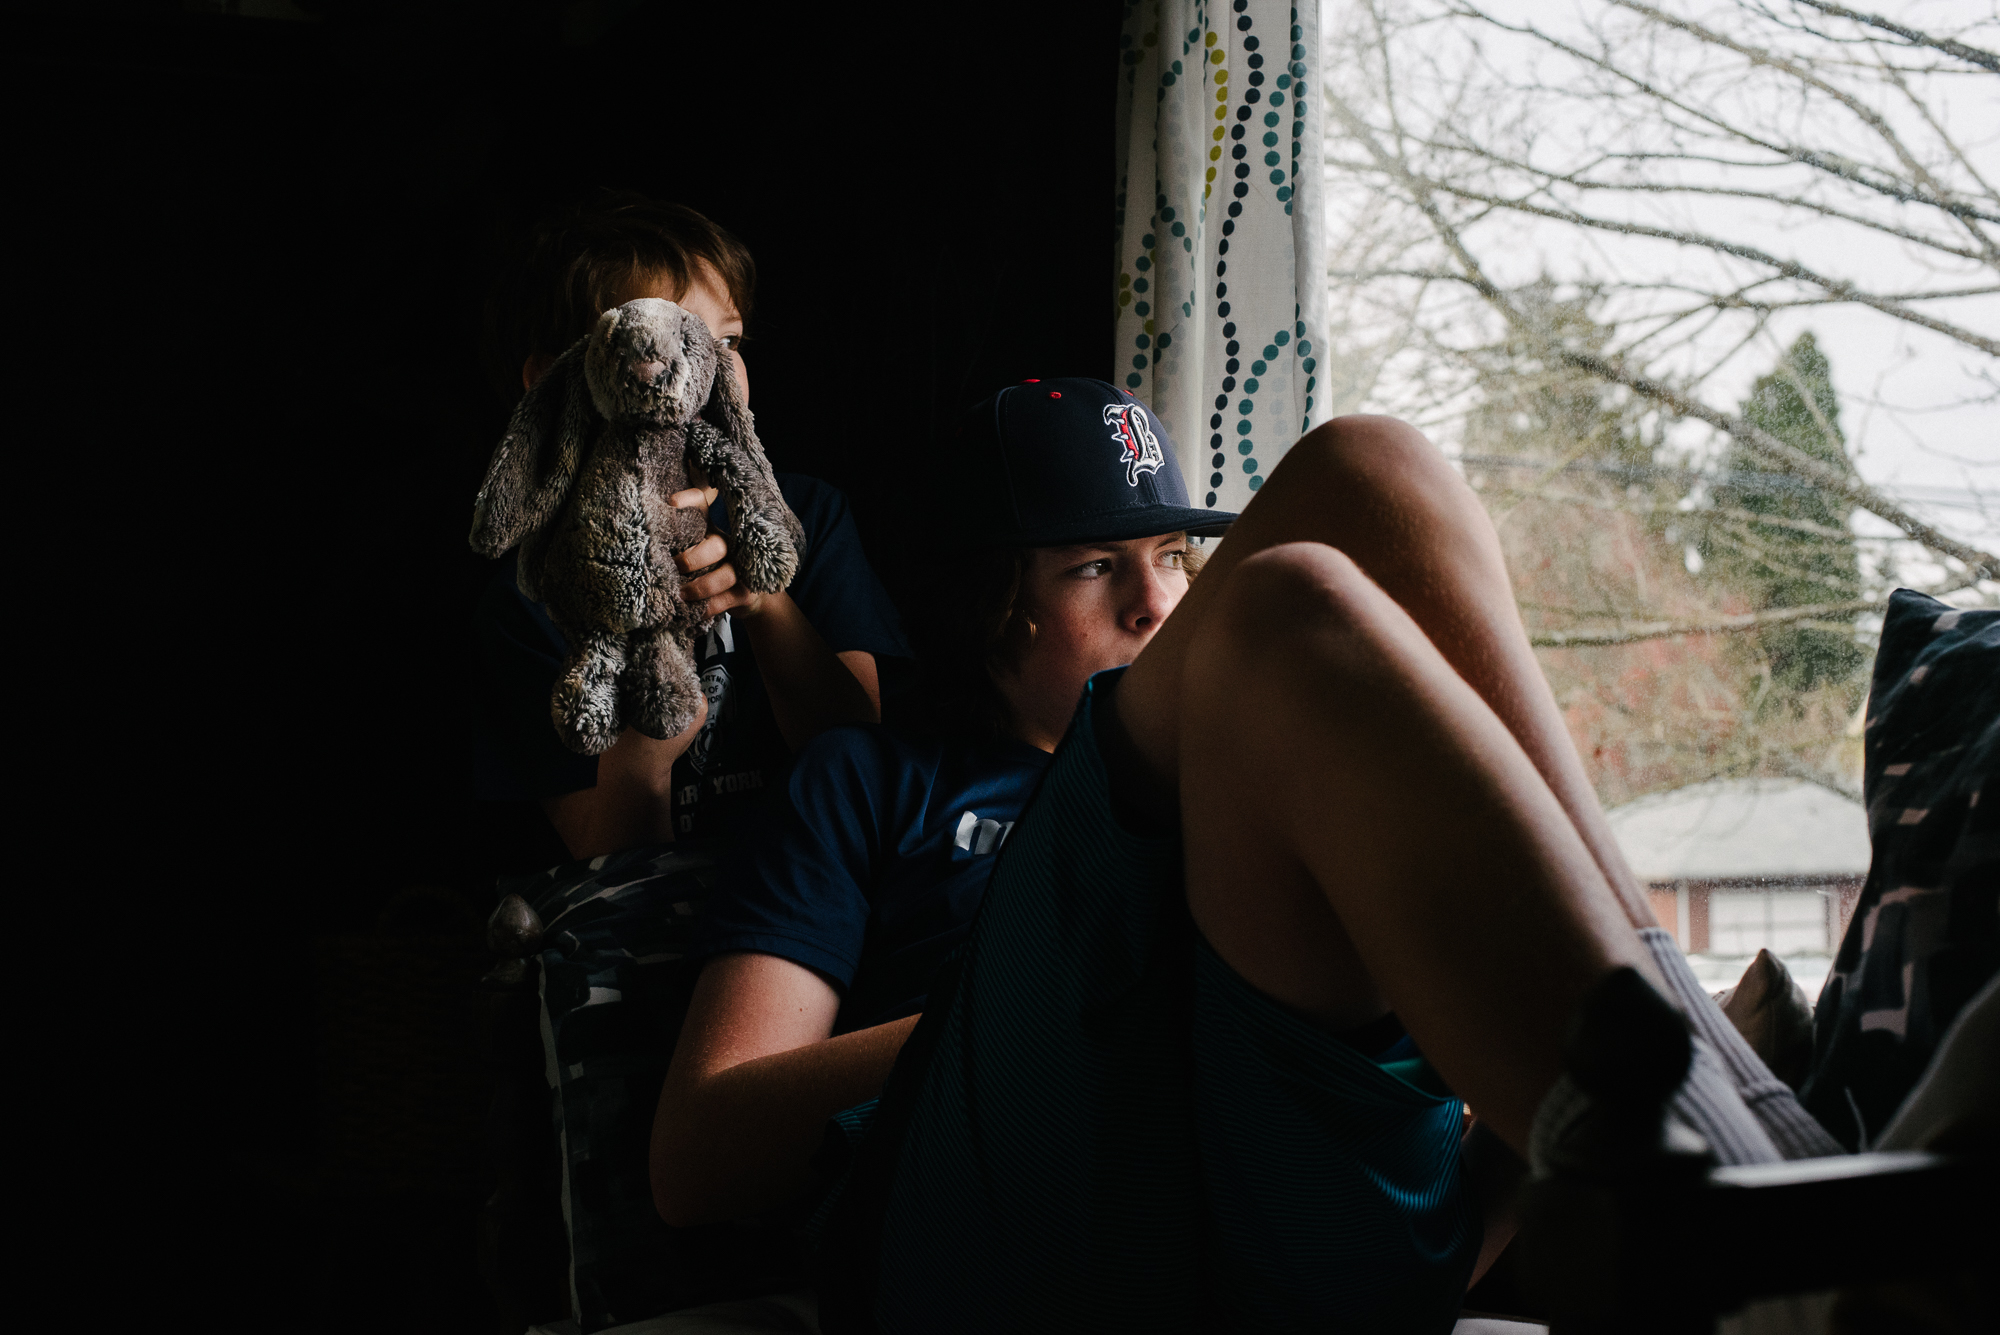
{"points": [[1732, 828]]}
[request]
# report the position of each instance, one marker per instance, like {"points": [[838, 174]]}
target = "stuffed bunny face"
{"points": [[650, 360]]}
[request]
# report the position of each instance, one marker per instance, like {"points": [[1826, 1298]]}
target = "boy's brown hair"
{"points": [[575, 264]]}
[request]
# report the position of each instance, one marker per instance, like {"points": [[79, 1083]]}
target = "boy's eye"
{"points": [[1092, 570], [732, 342], [1175, 560]]}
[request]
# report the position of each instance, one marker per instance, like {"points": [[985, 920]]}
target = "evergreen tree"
{"points": [[1532, 406], [1779, 566]]}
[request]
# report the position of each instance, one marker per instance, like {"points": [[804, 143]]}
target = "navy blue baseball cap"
{"points": [[1048, 463]]}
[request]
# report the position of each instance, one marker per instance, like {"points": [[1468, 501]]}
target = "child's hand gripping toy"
{"points": [[582, 482]]}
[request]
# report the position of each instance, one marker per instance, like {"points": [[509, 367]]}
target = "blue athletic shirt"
{"points": [[517, 756], [873, 863]]}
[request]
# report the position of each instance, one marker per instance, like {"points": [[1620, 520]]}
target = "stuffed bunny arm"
{"points": [[535, 466]]}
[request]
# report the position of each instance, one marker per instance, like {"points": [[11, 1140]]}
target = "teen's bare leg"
{"points": [[1382, 807], [1363, 832], [1378, 491]]}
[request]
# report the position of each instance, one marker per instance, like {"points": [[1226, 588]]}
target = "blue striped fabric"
{"points": [[1112, 1131]]}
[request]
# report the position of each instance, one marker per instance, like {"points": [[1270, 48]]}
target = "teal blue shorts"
{"points": [[1100, 1126]]}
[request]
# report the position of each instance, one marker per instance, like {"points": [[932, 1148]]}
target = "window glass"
{"points": [[1697, 298]]}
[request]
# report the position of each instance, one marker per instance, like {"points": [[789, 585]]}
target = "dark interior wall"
{"points": [[302, 217]]}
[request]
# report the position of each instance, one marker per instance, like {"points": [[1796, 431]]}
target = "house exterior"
{"points": [[1737, 864]]}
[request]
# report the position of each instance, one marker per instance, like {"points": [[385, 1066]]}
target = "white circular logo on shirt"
{"points": [[715, 689]]}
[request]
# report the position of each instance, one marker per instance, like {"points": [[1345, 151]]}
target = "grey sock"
{"points": [[1706, 1103], [1709, 1102], [1788, 1127]]}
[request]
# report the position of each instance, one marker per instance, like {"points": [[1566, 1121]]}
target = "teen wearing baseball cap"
{"points": [[1063, 550], [1169, 1080]]}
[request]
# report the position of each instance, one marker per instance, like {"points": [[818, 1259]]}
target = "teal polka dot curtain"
{"points": [[1221, 279]]}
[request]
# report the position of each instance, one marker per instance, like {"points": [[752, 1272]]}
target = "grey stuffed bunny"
{"points": [[581, 481]]}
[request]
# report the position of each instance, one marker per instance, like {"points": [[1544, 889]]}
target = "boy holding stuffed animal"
{"points": [[596, 1005], [775, 668]]}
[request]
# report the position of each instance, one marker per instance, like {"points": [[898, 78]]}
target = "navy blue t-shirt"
{"points": [[518, 757], [870, 867]]}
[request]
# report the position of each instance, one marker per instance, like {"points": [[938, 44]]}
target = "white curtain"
{"points": [[1221, 285]]}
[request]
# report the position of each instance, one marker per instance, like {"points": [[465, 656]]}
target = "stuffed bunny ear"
{"points": [[536, 463], [770, 541], [725, 410]]}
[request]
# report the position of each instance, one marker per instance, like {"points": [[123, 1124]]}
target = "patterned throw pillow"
{"points": [[1925, 936], [615, 988]]}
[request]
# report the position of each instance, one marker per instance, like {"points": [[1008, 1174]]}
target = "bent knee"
{"points": [[1294, 623], [1291, 587], [1371, 444], [1288, 570], [1367, 456]]}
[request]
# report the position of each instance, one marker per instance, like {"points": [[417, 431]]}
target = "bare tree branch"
{"points": [[1759, 56], [1731, 301], [1832, 164], [1914, 36], [1674, 188], [1634, 632], [1737, 536], [1789, 457], [1838, 288], [1622, 506], [1838, 783], [1868, 116], [1923, 110], [1979, 564]]}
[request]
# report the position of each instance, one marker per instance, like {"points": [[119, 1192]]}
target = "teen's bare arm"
{"points": [[754, 1078]]}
